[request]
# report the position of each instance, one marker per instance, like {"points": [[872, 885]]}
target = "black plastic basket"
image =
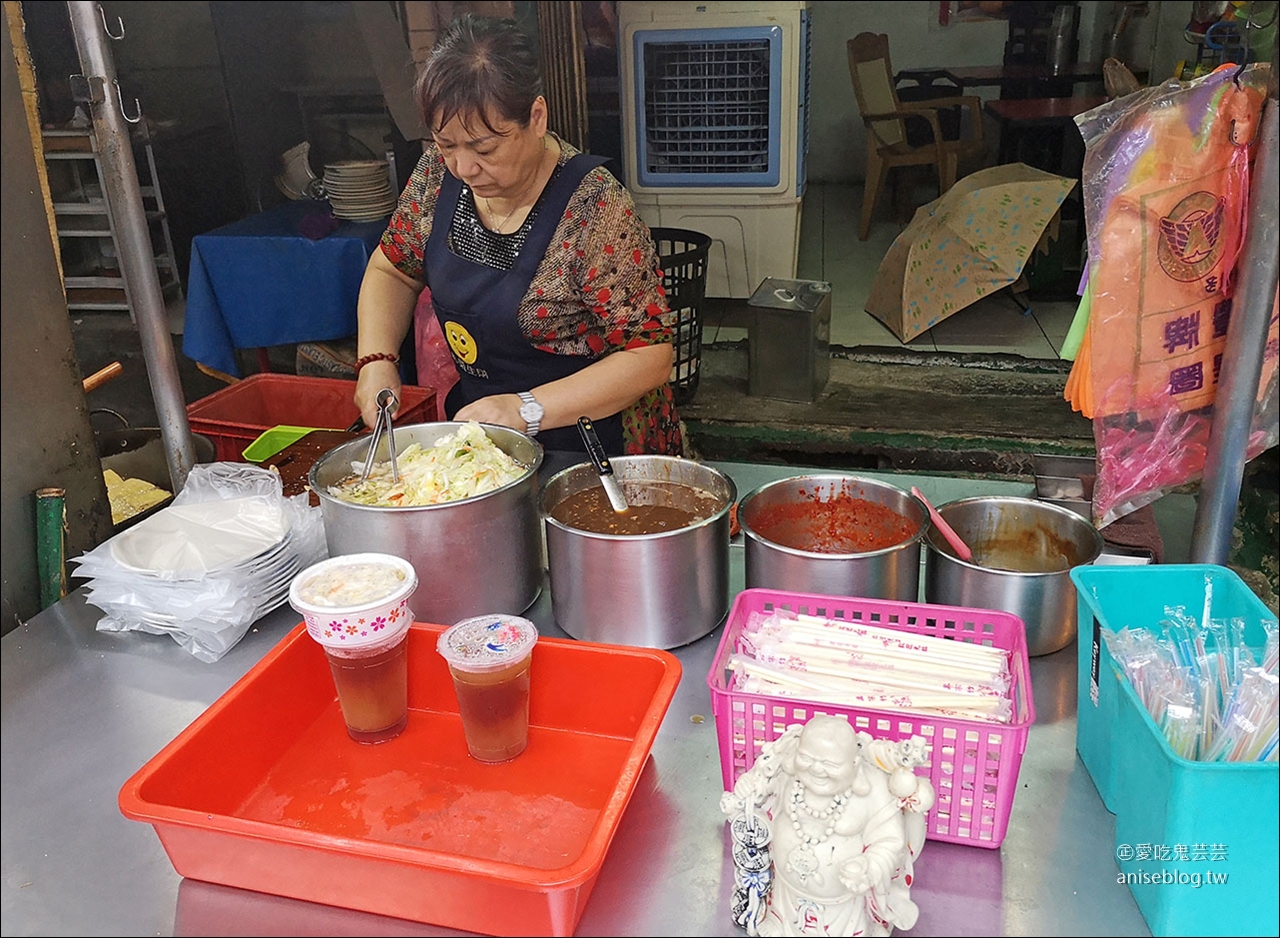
{"points": [[682, 257]]}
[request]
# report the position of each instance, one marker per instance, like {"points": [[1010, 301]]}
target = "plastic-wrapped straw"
{"points": [[1180, 720], [1216, 632], [1249, 728], [1203, 686], [1206, 697], [1139, 656], [1242, 657], [1271, 650]]}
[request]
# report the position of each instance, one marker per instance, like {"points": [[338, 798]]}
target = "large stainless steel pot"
{"points": [[473, 556], [890, 573], [655, 590], [1015, 532]]}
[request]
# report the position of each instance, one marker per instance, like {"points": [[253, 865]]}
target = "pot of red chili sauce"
{"points": [[836, 535]]}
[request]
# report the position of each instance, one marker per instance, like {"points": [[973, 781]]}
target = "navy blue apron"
{"points": [[477, 307]]}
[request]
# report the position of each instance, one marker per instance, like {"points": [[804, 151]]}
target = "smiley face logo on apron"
{"points": [[460, 342]]}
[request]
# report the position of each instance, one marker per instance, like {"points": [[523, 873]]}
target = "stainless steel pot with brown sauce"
{"points": [[656, 576]]}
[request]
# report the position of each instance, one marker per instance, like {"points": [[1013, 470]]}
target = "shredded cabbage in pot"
{"points": [[461, 465]]}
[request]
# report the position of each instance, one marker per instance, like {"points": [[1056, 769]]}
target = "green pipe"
{"points": [[51, 525]]}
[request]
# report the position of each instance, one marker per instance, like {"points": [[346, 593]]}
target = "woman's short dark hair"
{"points": [[479, 66]]}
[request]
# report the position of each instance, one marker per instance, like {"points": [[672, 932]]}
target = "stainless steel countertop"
{"points": [[83, 710]]}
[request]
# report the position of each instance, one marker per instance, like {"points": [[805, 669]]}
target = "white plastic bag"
{"points": [[206, 567]]}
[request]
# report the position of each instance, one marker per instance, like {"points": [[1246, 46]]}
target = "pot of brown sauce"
{"points": [[656, 575]]}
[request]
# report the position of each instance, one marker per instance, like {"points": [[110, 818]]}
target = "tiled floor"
{"points": [[830, 250]]}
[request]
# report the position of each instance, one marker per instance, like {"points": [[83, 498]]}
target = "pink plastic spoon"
{"points": [[960, 547]]}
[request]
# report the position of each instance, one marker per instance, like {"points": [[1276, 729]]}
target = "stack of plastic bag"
{"points": [[1166, 192], [208, 565]]}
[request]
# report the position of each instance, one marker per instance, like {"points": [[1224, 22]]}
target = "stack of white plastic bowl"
{"points": [[201, 572]]}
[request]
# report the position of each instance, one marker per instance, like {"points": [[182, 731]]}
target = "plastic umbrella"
{"points": [[974, 240]]}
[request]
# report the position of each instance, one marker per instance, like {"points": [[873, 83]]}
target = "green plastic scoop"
{"points": [[272, 441]]}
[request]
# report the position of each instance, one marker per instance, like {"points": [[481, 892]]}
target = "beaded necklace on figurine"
{"points": [[803, 859]]}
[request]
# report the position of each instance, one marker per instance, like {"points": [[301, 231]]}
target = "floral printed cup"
{"points": [[357, 608]]}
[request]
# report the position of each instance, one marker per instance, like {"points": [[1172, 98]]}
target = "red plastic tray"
{"points": [[265, 791], [238, 414]]}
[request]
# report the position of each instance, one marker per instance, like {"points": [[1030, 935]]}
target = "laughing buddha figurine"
{"points": [[841, 818]]}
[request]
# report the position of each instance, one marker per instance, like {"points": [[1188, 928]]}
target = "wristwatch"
{"points": [[531, 413]]}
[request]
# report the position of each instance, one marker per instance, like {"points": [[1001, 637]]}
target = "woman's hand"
{"points": [[385, 313], [500, 409], [373, 378], [599, 390]]}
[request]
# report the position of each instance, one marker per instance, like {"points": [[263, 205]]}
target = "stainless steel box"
{"points": [[789, 339]]}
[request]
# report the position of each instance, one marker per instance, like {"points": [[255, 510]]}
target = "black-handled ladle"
{"points": [[600, 459]]}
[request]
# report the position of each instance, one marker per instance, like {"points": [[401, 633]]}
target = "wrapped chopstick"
{"points": [[865, 665], [894, 674], [756, 678]]}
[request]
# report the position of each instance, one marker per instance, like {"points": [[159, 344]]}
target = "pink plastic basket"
{"points": [[973, 765]]}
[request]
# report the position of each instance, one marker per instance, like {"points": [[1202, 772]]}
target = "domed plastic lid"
{"points": [[355, 600], [487, 643]]}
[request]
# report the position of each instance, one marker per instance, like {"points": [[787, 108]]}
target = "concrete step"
{"points": [[892, 410]]}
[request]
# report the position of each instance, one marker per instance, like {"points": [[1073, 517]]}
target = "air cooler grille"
{"points": [[707, 107]]}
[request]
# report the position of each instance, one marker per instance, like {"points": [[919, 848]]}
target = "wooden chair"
{"points": [[1118, 80], [883, 116]]}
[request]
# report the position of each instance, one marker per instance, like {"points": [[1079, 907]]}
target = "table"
{"points": [[82, 710], [1016, 77], [260, 282], [1055, 114]]}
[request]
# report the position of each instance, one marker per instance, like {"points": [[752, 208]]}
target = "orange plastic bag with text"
{"points": [[1166, 190]]}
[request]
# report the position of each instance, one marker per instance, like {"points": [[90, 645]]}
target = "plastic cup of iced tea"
{"points": [[357, 608], [489, 659]]}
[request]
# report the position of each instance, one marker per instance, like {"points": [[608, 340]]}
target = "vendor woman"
{"points": [[543, 278]]}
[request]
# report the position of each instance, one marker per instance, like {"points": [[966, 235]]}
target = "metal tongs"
{"points": [[387, 404]]}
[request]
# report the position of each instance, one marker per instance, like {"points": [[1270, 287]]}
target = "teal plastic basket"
{"points": [[1180, 825]]}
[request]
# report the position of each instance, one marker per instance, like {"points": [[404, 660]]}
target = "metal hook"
{"points": [[137, 105], [107, 29], [1257, 129], [1244, 51]]}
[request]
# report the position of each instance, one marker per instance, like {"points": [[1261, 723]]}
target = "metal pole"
{"points": [[133, 234], [51, 544], [1242, 356]]}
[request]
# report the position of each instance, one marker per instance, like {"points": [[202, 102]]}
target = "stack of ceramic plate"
{"points": [[359, 190]]}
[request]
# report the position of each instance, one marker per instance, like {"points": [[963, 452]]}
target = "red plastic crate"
{"points": [[265, 790], [973, 765], [238, 414]]}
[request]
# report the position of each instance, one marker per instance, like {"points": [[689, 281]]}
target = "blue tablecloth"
{"points": [[260, 282]]}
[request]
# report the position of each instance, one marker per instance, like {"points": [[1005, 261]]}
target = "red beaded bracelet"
{"points": [[376, 357]]}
